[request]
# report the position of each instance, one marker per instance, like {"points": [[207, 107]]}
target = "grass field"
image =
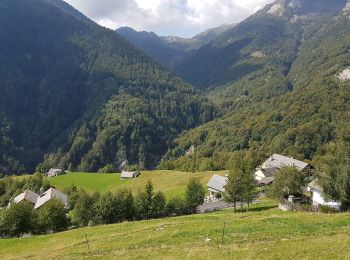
{"points": [[265, 233], [172, 183]]}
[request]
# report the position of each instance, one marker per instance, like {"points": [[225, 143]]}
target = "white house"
{"points": [[216, 185], [266, 173], [27, 195], [318, 196], [263, 173], [49, 195], [129, 175], [54, 172]]}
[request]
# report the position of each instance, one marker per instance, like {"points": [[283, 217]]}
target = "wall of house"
{"points": [[258, 175], [317, 198]]}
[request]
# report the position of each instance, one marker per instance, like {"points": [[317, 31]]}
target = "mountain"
{"points": [[170, 50], [81, 96], [268, 39], [197, 41], [153, 46], [283, 83]]}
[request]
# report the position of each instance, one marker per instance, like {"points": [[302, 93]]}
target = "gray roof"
{"points": [[51, 194], [27, 195], [53, 172], [126, 174], [267, 180], [270, 172], [217, 183], [278, 161]]}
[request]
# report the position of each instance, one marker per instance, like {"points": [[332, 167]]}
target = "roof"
{"points": [[217, 183], [278, 161], [126, 174], [267, 180], [270, 172], [27, 195], [53, 172], [314, 185], [49, 195]]}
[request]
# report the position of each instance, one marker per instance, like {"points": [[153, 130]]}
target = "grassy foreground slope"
{"points": [[264, 233], [172, 183]]}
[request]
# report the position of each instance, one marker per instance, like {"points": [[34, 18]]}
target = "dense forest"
{"points": [[299, 122], [83, 96]]}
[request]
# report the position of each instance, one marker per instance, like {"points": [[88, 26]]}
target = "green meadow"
{"points": [[172, 183], [263, 233]]}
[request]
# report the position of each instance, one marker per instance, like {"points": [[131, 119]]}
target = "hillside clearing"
{"points": [[172, 183], [264, 233]]}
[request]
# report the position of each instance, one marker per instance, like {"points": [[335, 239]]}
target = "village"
{"points": [[265, 176], [214, 199]]}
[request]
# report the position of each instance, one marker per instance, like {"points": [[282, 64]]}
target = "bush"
{"points": [[176, 207], [52, 217], [195, 194], [17, 220], [327, 209]]}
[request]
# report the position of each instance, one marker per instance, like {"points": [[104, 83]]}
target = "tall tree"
{"points": [[145, 201], [195, 194], [17, 220], [334, 168], [52, 217], [240, 187]]}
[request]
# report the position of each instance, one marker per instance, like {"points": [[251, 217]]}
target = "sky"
{"points": [[184, 18]]}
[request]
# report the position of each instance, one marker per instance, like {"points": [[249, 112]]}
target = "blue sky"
{"points": [[168, 17]]}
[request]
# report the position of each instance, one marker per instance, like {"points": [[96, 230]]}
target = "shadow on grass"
{"points": [[255, 209]]}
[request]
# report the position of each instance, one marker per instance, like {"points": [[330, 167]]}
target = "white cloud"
{"points": [[168, 17]]}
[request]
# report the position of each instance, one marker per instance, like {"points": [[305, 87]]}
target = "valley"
{"points": [[115, 140]]}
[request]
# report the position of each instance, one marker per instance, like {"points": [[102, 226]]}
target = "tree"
{"points": [[83, 210], [125, 207], [334, 169], [176, 206], [288, 181], [43, 168], [17, 220], [159, 205], [105, 209], [52, 217], [240, 187], [145, 201], [195, 194]]}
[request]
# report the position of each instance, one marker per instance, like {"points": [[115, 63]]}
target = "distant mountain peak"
{"points": [[290, 8]]}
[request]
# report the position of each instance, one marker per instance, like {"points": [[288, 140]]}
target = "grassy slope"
{"points": [[265, 233], [172, 183]]}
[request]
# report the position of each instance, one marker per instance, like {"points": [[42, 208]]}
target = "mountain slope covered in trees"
{"points": [[170, 50], [299, 121], [81, 95]]}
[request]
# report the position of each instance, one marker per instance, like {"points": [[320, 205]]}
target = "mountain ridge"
{"points": [[62, 77]]}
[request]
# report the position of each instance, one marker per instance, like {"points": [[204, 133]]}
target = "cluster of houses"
{"points": [[265, 175], [52, 193], [40, 200]]}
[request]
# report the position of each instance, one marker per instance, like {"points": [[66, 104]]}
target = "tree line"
{"points": [[97, 209]]}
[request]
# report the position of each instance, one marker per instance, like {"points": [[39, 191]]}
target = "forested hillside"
{"points": [[299, 122], [170, 50], [82, 95]]}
